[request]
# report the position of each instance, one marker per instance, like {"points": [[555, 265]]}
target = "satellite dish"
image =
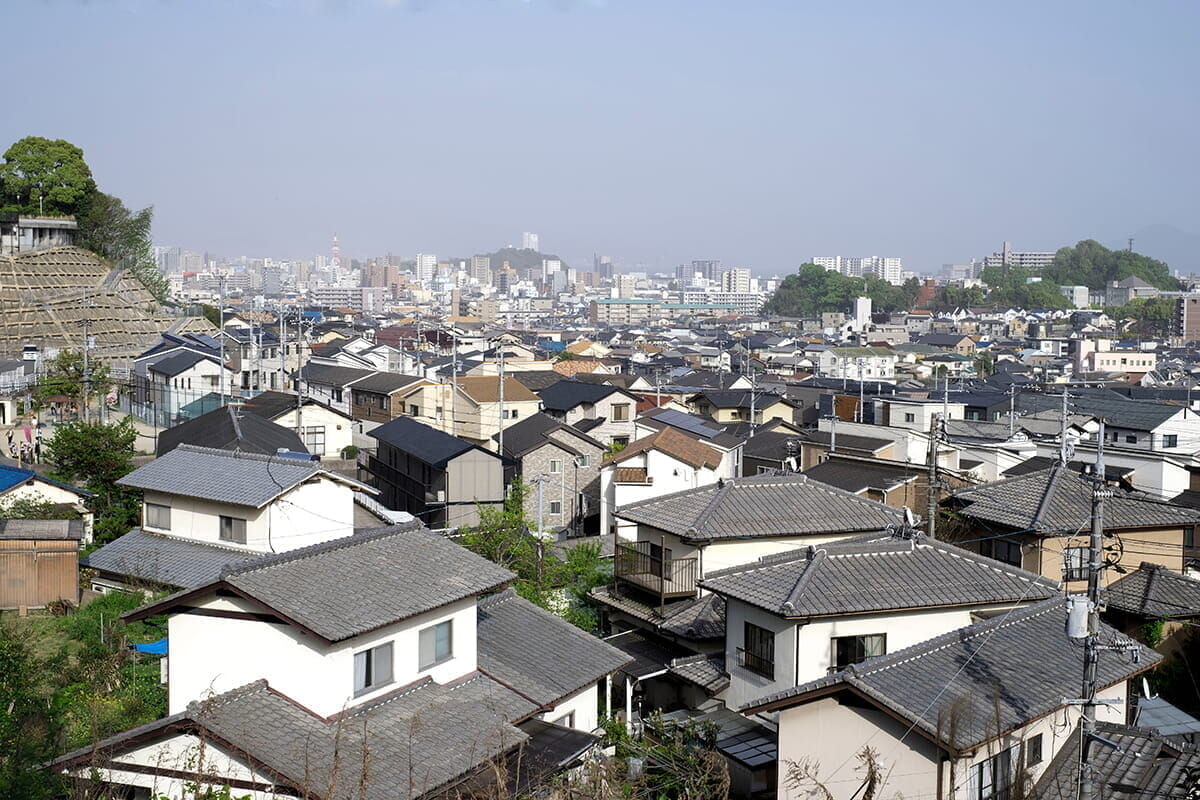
{"points": [[1146, 689]]}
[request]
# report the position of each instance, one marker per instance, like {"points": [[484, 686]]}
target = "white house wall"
{"points": [[317, 676], [583, 704], [339, 430]]}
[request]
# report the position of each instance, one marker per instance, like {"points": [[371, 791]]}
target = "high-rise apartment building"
{"points": [[735, 280], [885, 268], [550, 266], [481, 270], [1030, 260], [603, 266], [709, 270], [426, 266], [529, 241]]}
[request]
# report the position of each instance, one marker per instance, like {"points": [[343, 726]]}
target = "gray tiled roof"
{"points": [[763, 506], [1133, 763], [244, 479], [858, 577], [702, 618], [414, 740], [707, 673], [537, 653], [1059, 499], [1155, 592], [994, 675], [41, 529], [359, 583], [858, 476], [153, 558]]}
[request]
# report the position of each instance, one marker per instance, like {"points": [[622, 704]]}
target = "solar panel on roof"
{"points": [[678, 419]]}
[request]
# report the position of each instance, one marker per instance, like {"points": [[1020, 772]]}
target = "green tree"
{"points": [[94, 456], [65, 376], [110, 230], [30, 717], [814, 290], [36, 507], [1091, 264], [1155, 315], [44, 176]]}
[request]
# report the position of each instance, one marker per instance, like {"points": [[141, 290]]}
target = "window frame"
{"points": [[556, 466], [147, 523], [620, 412], [860, 644], [555, 508], [757, 653], [233, 529], [369, 659], [1075, 563], [423, 663]]}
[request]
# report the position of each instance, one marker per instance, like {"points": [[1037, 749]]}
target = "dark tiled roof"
{"points": [[228, 428], [41, 529], [532, 432], [244, 479], [180, 362], [565, 395], [1129, 763], [329, 375], [702, 618], [385, 383], [887, 575], [1059, 499], [537, 653], [761, 506], [1142, 415], [707, 673], [1155, 592], [415, 740], [140, 556], [359, 583], [537, 380], [857, 476], [1021, 666], [418, 439]]}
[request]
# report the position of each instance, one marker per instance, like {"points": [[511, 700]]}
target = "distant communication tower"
{"points": [[335, 250]]}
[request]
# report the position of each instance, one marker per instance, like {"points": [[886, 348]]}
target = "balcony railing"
{"points": [[643, 565], [756, 663]]}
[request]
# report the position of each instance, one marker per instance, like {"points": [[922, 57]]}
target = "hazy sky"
{"points": [[760, 133]]}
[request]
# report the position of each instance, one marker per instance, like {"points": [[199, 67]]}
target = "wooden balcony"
{"points": [[643, 564]]}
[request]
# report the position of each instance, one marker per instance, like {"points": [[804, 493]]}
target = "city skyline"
{"points": [[608, 133]]}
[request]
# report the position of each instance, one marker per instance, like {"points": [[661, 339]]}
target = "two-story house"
{"points": [[565, 461], [331, 385], [603, 411], [179, 379], [706, 431], [734, 406], [797, 616], [663, 462], [668, 544], [325, 431], [440, 479], [858, 363], [368, 667], [973, 714], [1040, 521], [230, 428], [383, 396], [20, 485], [204, 509]]}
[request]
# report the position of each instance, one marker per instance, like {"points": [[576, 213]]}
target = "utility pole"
{"points": [[1091, 651], [500, 433], [454, 386], [931, 498], [1012, 410], [861, 393], [87, 369], [833, 421], [221, 337], [1062, 434], [753, 387], [299, 377]]}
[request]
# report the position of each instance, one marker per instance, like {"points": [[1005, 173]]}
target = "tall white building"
{"points": [[883, 267], [550, 266], [481, 270], [426, 266], [529, 241], [735, 280], [1030, 260]]}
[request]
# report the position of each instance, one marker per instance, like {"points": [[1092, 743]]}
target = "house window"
{"points": [[566, 720], [620, 412], [849, 650], [233, 530], [314, 439], [758, 651], [992, 779], [1170, 440], [436, 644], [1033, 750], [583, 461], [158, 517], [909, 417], [1075, 561], [1001, 550], [1189, 536], [372, 668], [555, 507], [555, 466], [414, 411], [1131, 439]]}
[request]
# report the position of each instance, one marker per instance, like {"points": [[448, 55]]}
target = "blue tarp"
{"points": [[158, 648]]}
